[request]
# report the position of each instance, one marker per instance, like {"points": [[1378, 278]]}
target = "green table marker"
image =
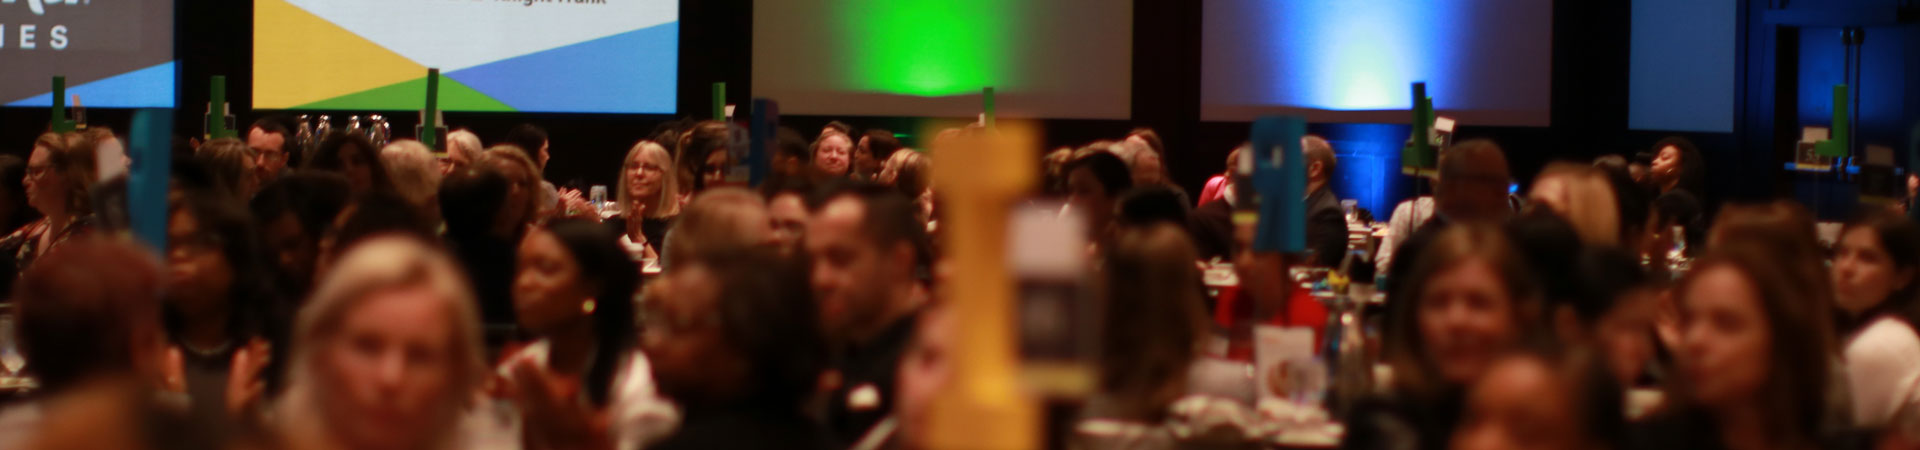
{"points": [[720, 101], [1840, 141], [60, 123], [986, 99]]}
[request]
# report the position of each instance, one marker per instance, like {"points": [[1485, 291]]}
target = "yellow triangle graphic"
{"points": [[299, 58]]}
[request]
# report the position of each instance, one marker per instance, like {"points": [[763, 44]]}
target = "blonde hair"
{"points": [[717, 220], [511, 155], [1587, 202], [667, 204], [463, 141], [376, 265], [413, 170]]}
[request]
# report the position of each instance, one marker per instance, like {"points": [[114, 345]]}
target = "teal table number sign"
{"points": [[1280, 179]]}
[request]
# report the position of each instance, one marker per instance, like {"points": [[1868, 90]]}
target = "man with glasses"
{"points": [[268, 137]]}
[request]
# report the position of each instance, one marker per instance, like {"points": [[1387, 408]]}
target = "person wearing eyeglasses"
{"points": [[215, 307], [647, 201], [60, 173]]}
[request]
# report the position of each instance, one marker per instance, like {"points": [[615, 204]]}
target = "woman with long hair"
{"points": [[349, 153], [648, 200], [219, 307], [59, 180], [1874, 267], [574, 294]]}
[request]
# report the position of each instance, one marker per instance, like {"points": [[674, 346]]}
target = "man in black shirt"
{"points": [[1326, 220], [868, 250]]}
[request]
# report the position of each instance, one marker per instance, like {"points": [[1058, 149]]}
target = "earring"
{"points": [[587, 307]]}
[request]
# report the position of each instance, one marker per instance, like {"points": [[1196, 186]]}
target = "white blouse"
{"points": [[1883, 368], [636, 413]]}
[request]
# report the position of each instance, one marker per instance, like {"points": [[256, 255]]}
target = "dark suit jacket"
{"points": [[1326, 228]]}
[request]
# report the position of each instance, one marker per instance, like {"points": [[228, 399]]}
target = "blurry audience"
{"points": [[364, 297]]}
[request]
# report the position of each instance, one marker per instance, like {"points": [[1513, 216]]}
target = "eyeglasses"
{"points": [[38, 171], [646, 167]]}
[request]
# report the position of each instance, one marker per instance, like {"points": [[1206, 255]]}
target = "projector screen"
{"points": [[931, 58], [1485, 62], [115, 54], [599, 56]]}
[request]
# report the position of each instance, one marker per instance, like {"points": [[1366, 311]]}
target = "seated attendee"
{"points": [[830, 157], [80, 327], [791, 158], [350, 154], [868, 252], [734, 339], [648, 200], [368, 216], [273, 147], [231, 165], [59, 185], [484, 236], [1326, 220], [1874, 268], [292, 213], [1146, 166], [875, 146], [463, 148], [1537, 400], [1583, 196], [386, 355], [532, 142], [415, 176], [219, 310], [1471, 188], [1148, 138], [1408, 216], [704, 158], [1469, 299], [719, 220], [1677, 165], [1612, 312], [1054, 172], [787, 206], [1152, 328], [911, 173], [527, 199], [1094, 184], [1670, 211], [1754, 358], [1217, 185], [574, 295]]}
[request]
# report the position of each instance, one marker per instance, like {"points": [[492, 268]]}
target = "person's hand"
{"points": [[574, 206], [555, 418], [173, 372], [245, 387]]}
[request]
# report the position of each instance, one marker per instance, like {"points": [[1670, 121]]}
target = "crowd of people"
{"points": [[343, 295]]}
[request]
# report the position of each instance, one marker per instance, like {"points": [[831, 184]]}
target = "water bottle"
{"points": [[597, 195]]}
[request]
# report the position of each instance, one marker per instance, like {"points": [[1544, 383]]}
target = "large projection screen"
{"points": [[594, 56], [114, 54], [931, 58], [1485, 62]]}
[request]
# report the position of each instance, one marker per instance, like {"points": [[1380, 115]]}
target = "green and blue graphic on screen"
{"points": [[596, 56]]}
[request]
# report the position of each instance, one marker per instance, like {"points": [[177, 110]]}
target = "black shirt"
{"points": [[867, 375], [746, 428]]}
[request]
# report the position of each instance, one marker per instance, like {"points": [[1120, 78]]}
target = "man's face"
{"points": [[850, 272], [269, 150]]}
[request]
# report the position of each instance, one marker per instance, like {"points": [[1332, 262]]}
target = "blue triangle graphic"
{"points": [[151, 87], [631, 72]]}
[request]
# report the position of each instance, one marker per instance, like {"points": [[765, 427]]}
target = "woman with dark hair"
{"points": [[1874, 267], [1677, 165], [574, 295], [1094, 184], [735, 340], [1754, 359], [217, 305], [59, 180], [1470, 299], [484, 239], [703, 157], [293, 213], [350, 153]]}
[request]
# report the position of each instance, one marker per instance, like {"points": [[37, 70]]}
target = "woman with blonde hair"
{"points": [[386, 355], [648, 200], [59, 180], [1582, 195], [721, 219]]}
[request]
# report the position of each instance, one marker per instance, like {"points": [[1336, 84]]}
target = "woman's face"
{"points": [[1520, 404], [863, 157], [518, 206], [548, 289], [1725, 338], [390, 375], [47, 188], [644, 175], [1864, 275], [690, 358], [831, 157], [354, 164], [1666, 165], [198, 273], [1625, 333], [716, 168], [1086, 194], [789, 214], [1466, 319]]}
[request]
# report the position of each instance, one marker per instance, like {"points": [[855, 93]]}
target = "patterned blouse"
{"points": [[24, 243]]}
